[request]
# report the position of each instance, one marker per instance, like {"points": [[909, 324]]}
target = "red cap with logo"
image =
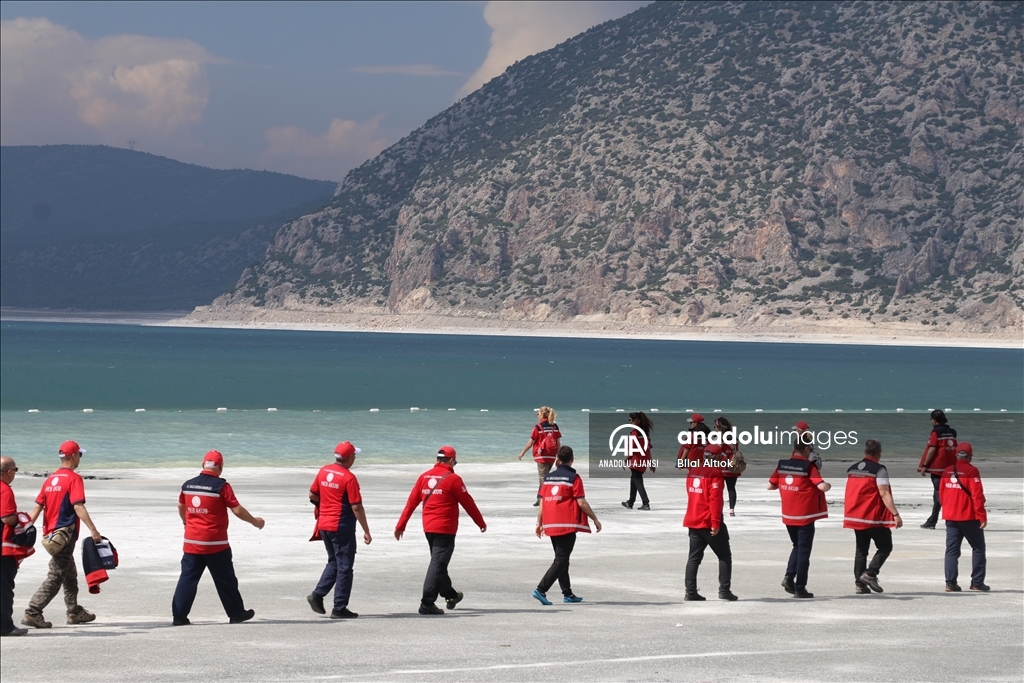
{"points": [[446, 452], [213, 459], [69, 448], [696, 417], [345, 449], [964, 450], [802, 426]]}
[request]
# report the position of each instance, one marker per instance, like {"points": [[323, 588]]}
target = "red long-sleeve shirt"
{"points": [[957, 505], [442, 492], [704, 498]]}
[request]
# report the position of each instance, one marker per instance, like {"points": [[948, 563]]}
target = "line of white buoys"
{"points": [[484, 410], [271, 410], [86, 410], [222, 410], [374, 410], [33, 410], [140, 410], [585, 410]]}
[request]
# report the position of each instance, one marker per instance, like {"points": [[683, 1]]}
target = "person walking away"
{"points": [[737, 463], [13, 553], [705, 526], [61, 499], [802, 491], [963, 507], [939, 454], [563, 513], [545, 440], [335, 491], [203, 506], [441, 491], [869, 510], [694, 450], [639, 461]]}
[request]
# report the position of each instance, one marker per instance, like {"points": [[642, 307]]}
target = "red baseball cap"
{"points": [[69, 448], [964, 449], [345, 449], [446, 452], [213, 459], [713, 449], [802, 425], [696, 417]]}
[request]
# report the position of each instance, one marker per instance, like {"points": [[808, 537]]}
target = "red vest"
{"points": [[207, 500], [9, 507], [943, 438], [561, 514], [704, 498], [863, 507], [802, 500]]}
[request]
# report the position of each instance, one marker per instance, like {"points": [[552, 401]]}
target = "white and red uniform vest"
{"points": [[943, 438], [802, 500], [863, 507], [338, 489], [59, 494], [540, 431], [560, 512], [441, 491], [704, 498], [957, 504], [207, 500], [8, 507]]}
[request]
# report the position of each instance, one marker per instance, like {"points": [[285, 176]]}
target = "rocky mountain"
{"points": [[744, 165], [100, 228]]}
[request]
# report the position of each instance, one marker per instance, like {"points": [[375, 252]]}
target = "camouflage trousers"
{"points": [[63, 573]]}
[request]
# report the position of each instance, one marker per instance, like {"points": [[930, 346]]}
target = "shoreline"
{"points": [[465, 326]]}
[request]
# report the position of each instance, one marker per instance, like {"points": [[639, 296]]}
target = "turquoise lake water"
{"points": [[180, 376]]}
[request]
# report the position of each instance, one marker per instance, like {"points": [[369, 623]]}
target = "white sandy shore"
{"points": [[633, 624]]}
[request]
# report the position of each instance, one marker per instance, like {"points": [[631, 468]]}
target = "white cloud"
{"points": [[422, 70], [521, 29], [56, 86], [345, 145]]}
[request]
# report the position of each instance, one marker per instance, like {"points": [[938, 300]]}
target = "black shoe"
{"points": [[537, 503], [928, 525], [802, 593], [727, 595], [981, 587], [694, 597], [245, 616], [627, 505], [451, 602], [15, 632], [871, 582], [952, 587], [316, 602], [181, 622], [787, 584], [861, 589], [430, 609], [343, 613], [645, 506]]}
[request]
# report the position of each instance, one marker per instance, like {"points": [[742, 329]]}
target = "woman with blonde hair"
{"points": [[545, 442]]}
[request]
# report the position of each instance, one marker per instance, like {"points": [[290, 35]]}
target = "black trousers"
{"points": [[730, 484], [223, 572], [437, 581], [701, 539], [559, 569], [883, 547], [636, 485], [8, 570], [936, 506], [800, 557], [337, 574]]}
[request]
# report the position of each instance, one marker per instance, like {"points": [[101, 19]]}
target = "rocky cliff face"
{"points": [[727, 164]]}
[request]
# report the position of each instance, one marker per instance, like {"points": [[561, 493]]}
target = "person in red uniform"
{"points": [[704, 486], [801, 428], [939, 454], [639, 462], [335, 492], [13, 553], [545, 440], [963, 507], [870, 511], [736, 463], [564, 512], [442, 492], [61, 499], [698, 440], [203, 506], [802, 491]]}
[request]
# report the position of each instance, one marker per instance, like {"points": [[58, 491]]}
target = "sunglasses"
{"points": [[11, 469]]}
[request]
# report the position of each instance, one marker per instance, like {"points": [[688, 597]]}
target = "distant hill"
{"points": [[100, 228], [727, 165]]}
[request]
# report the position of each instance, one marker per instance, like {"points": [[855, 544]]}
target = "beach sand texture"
{"points": [[632, 625]]}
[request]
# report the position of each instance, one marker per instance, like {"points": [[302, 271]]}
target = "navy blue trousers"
{"points": [[223, 572], [956, 532], [800, 557], [337, 575], [936, 506]]}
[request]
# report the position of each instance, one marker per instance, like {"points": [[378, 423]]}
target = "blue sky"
{"points": [[306, 88]]}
